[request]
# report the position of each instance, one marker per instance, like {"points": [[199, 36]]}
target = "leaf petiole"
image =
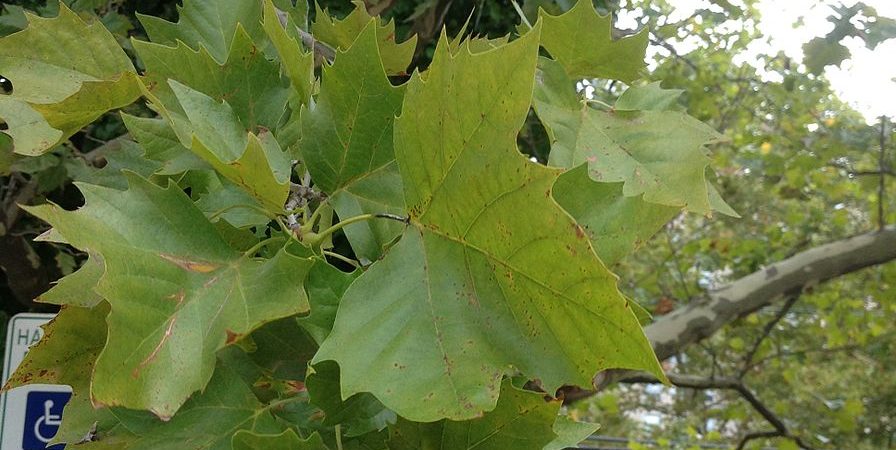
{"points": [[315, 238], [255, 248], [344, 259], [227, 208]]}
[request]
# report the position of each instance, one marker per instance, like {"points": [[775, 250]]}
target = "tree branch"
{"points": [[734, 384], [766, 331], [672, 333]]}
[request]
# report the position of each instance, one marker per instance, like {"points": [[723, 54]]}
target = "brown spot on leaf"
{"points": [[192, 266], [232, 337]]}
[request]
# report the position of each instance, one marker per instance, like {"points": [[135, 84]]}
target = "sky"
{"points": [[865, 81]]}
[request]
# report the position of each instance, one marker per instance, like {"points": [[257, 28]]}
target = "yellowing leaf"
{"points": [[490, 272], [65, 74]]}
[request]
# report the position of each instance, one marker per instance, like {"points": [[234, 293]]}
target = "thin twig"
{"points": [[766, 331], [730, 383], [677, 263]]}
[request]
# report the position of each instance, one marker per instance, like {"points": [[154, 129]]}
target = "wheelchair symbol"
{"points": [[43, 416], [48, 419]]}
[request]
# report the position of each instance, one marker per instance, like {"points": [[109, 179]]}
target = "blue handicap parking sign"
{"points": [[43, 415]]}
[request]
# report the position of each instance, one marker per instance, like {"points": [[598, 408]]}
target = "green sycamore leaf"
{"points": [[252, 161], [656, 153], [77, 288], [521, 420], [178, 292], [340, 34], [822, 52], [211, 25], [209, 421], [581, 40], [358, 414], [66, 355], [347, 144], [160, 144], [325, 286], [606, 214], [287, 440], [128, 157], [31, 134], [246, 80], [570, 433], [65, 73], [648, 97], [295, 62], [492, 276], [230, 202], [283, 349]]}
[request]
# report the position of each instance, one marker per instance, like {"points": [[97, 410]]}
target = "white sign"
{"points": [[31, 414]]}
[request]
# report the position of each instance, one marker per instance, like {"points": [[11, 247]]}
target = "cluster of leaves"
{"points": [[213, 310]]}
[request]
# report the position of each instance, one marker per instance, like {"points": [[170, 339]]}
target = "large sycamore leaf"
{"points": [[347, 143], [66, 355], [340, 34], [581, 40], [178, 292], [655, 153], [521, 420], [253, 161], [209, 421], [491, 276], [65, 74], [250, 84], [211, 25]]}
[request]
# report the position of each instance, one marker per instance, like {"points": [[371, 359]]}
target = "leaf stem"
{"points": [[255, 248], [227, 208], [600, 103], [344, 259], [336, 227], [520, 13], [338, 437]]}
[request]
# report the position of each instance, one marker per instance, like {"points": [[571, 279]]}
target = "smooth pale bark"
{"points": [[672, 333]]}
